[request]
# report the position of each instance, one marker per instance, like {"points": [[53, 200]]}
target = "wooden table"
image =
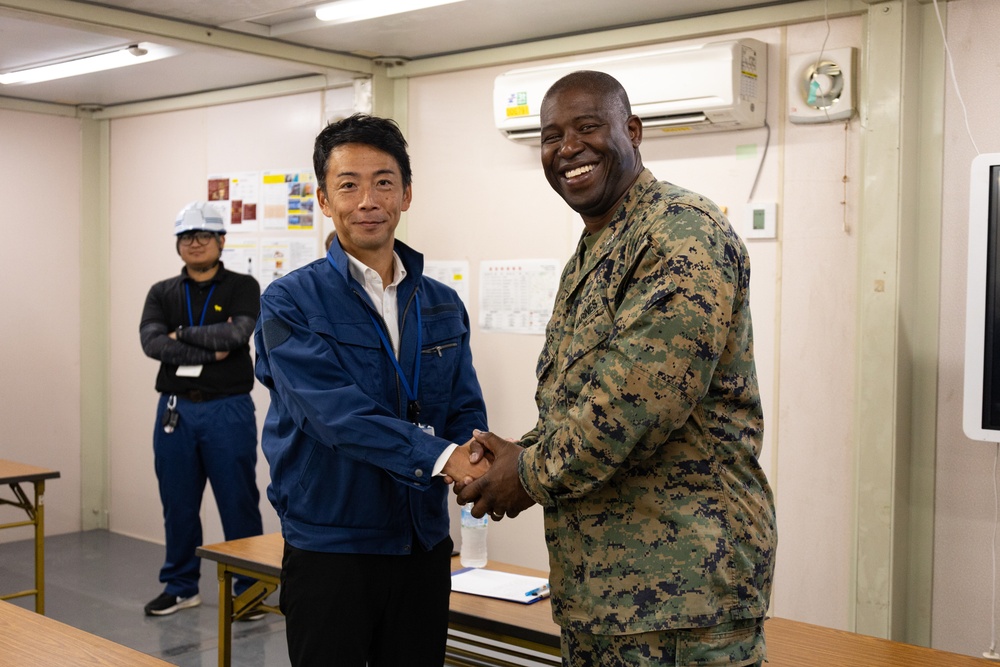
{"points": [[28, 639], [258, 557], [14, 474], [796, 644], [511, 629]]}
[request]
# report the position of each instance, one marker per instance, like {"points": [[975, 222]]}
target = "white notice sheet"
{"points": [[516, 296]]}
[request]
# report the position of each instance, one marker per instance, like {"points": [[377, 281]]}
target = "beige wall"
{"points": [[964, 512], [815, 329], [40, 184]]}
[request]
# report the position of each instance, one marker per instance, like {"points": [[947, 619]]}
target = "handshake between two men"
{"points": [[484, 472]]}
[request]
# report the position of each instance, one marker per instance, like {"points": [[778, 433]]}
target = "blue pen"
{"points": [[541, 591]]}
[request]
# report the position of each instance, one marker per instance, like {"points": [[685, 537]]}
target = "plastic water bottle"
{"points": [[473, 553]]}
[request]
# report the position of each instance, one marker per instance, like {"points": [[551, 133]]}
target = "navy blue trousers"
{"points": [[215, 441]]}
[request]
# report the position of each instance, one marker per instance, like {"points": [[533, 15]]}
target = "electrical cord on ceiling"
{"points": [[954, 79]]}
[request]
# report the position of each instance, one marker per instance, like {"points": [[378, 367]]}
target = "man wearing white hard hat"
{"points": [[198, 326]]}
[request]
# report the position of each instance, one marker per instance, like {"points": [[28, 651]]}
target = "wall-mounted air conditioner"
{"points": [[716, 86]]}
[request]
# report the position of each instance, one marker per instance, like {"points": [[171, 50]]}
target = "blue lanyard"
{"points": [[413, 409], [204, 309]]}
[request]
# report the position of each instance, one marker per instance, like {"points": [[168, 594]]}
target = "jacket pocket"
{"points": [[441, 352], [337, 491], [358, 349], [594, 322]]}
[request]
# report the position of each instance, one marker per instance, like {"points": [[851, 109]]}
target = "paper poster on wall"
{"points": [[516, 296], [288, 200], [239, 194], [240, 255], [278, 256], [453, 273]]}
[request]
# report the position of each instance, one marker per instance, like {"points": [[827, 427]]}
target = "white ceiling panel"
{"points": [[44, 31]]}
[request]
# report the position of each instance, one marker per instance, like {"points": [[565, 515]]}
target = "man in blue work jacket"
{"points": [[372, 385]]}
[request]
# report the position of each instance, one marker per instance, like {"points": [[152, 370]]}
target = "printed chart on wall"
{"points": [[288, 199], [242, 254], [516, 296], [453, 273], [267, 259], [238, 194], [261, 205], [279, 255]]}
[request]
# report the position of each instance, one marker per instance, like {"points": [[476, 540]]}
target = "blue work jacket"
{"points": [[349, 472]]}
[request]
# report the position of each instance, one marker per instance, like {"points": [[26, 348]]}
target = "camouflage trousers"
{"points": [[740, 643]]}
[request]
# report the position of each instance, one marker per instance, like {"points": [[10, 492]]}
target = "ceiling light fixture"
{"points": [[133, 54], [347, 11]]}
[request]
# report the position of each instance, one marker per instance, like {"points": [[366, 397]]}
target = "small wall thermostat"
{"points": [[761, 221]]}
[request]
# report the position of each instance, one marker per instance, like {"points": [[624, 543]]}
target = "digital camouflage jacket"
{"points": [[644, 458]]}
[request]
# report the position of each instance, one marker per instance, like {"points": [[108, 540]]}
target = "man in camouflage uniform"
{"points": [[658, 518]]}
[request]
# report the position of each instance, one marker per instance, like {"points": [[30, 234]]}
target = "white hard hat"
{"points": [[199, 215]]}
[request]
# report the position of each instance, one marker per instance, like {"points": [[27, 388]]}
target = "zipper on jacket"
{"points": [[438, 348], [405, 400]]}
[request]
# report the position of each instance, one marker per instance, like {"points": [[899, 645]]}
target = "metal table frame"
{"points": [[14, 474]]}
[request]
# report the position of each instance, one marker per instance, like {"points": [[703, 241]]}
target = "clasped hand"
{"points": [[496, 489]]}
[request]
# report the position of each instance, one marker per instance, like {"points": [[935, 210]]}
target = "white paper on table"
{"points": [[501, 585]]}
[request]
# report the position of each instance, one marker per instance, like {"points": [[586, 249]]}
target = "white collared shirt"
{"points": [[385, 302], [384, 297]]}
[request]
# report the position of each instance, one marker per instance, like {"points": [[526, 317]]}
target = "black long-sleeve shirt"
{"points": [[229, 318]]}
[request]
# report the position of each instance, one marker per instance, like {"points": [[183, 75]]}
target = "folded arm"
{"points": [[157, 344]]}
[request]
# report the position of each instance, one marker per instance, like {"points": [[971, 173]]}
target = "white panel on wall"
{"points": [[818, 232], [963, 615], [40, 177]]}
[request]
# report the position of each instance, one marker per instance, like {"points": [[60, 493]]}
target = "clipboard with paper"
{"points": [[501, 585]]}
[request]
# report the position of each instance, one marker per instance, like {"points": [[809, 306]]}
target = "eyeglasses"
{"points": [[187, 238]]}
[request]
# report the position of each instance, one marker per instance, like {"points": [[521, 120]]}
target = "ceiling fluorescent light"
{"points": [[142, 52], [347, 11]]}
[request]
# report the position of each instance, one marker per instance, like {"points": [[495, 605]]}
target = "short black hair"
{"points": [[381, 133], [608, 86]]}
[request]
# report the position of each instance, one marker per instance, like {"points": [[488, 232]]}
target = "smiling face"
{"points": [[200, 257], [365, 196], [590, 146]]}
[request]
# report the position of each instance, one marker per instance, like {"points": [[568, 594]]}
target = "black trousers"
{"points": [[352, 610]]}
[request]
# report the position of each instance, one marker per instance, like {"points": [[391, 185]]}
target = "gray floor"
{"points": [[99, 581]]}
